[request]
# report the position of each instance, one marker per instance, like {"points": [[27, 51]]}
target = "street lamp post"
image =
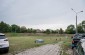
{"points": [[76, 19], [76, 25]]}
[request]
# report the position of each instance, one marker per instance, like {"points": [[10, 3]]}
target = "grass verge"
{"points": [[66, 47], [21, 43]]}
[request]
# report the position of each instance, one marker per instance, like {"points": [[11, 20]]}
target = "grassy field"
{"points": [[21, 43]]}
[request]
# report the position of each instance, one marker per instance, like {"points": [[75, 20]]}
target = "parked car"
{"points": [[4, 43], [76, 38], [80, 48]]}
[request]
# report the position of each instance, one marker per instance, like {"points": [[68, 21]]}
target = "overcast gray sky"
{"points": [[41, 14]]}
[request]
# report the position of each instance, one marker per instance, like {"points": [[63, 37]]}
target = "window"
{"points": [[2, 36], [77, 36]]}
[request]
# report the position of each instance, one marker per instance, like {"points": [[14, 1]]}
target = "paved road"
{"points": [[49, 49]]}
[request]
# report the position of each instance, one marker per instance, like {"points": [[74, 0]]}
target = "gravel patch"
{"points": [[49, 49]]}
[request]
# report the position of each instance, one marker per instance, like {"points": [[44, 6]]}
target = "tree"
{"points": [[15, 28], [80, 29], [70, 29], [83, 25], [30, 30], [54, 31], [23, 29], [48, 31], [34, 31], [4, 27], [61, 31]]}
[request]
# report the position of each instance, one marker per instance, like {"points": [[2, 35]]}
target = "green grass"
{"points": [[21, 43], [66, 46]]}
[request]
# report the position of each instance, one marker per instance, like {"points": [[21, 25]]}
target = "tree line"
{"points": [[6, 28]]}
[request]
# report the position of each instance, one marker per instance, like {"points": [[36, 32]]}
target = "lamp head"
{"points": [[81, 11]]}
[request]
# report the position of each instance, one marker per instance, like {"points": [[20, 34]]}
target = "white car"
{"points": [[4, 43]]}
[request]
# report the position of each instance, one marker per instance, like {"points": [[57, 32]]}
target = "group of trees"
{"points": [[5, 28], [80, 27], [58, 31]]}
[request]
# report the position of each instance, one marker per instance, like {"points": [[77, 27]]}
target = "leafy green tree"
{"points": [[70, 29], [79, 28], [15, 28], [48, 31], [54, 31], [4, 27], [23, 29], [83, 25], [30, 30]]}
